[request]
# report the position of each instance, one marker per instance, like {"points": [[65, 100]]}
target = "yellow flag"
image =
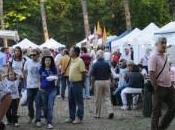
{"points": [[104, 38], [99, 30]]}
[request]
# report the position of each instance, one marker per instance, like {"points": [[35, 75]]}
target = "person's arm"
{"points": [[152, 69]]}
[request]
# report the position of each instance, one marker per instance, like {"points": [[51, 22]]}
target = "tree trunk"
{"points": [[2, 21], [85, 17], [127, 14], [172, 6], [44, 23]]}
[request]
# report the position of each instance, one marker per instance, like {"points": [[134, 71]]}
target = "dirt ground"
{"points": [[124, 120]]}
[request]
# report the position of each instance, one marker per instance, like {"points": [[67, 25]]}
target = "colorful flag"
{"points": [[104, 38], [99, 30]]}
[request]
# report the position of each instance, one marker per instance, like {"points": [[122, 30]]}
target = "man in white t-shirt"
{"points": [[31, 71]]}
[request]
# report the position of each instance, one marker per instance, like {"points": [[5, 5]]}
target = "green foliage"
{"points": [[65, 17]]}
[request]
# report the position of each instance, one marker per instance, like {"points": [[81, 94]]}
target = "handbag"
{"points": [[149, 85], [62, 74]]}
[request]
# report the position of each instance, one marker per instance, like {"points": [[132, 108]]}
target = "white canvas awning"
{"points": [[25, 44], [8, 34], [52, 44]]}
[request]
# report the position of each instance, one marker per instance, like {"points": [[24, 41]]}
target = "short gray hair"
{"points": [[100, 54], [161, 39]]}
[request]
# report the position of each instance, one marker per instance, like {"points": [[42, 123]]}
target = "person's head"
{"points": [[113, 64], [100, 54], [34, 54], [47, 62], [126, 51], [140, 66], [135, 68], [130, 65], [74, 52], [65, 52], [11, 75], [161, 45], [84, 50], [122, 63], [18, 52]]}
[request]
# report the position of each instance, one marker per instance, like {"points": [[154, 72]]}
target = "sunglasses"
{"points": [[33, 55]]}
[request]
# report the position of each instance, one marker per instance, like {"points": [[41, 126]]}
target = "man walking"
{"points": [[159, 70], [76, 77], [101, 75], [31, 72]]}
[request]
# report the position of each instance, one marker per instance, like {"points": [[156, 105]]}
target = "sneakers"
{"points": [[76, 121], [134, 107], [38, 124], [30, 120], [111, 116], [68, 120], [124, 108], [16, 125], [49, 126]]}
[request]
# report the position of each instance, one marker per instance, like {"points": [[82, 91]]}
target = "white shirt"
{"points": [[13, 87], [33, 76], [17, 66], [107, 56], [144, 60], [57, 59]]}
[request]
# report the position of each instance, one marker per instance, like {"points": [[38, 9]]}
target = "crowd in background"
{"points": [[46, 74]]}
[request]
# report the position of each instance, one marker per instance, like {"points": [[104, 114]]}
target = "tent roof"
{"points": [[52, 44], [167, 29], [147, 34], [85, 40], [8, 34], [25, 43], [130, 36]]}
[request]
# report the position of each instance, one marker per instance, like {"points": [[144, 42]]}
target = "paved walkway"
{"points": [[124, 120]]}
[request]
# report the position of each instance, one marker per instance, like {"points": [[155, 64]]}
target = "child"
{"points": [[5, 101], [12, 84], [47, 93]]}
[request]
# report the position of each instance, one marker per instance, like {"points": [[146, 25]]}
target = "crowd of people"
{"points": [[110, 78]]}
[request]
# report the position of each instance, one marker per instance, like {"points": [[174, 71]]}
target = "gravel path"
{"points": [[124, 120]]}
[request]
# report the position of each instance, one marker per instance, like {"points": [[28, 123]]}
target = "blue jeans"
{"points": [[31, 97], [118, 94], [64, 84], [86, 90], [45, 100], [76, 103]]}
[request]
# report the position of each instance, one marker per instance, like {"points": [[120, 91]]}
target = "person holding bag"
{"points": [[64, 67], [159, 71]]}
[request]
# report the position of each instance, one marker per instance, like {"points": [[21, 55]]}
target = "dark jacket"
{"points": [[101, 70]]}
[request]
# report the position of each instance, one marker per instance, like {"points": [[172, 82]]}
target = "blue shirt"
{"points": [[101, 70], [45, 84]]}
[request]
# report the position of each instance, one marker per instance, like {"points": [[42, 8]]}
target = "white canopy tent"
{"points": [[145, 40], [25, 44], [167, 31], [8, 34], [51, 44], [92, 36], [124, 41]]}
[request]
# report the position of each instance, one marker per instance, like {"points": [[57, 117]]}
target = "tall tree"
{"points": [[85, 17], [172, 7], [44, 23], [127, 14]]}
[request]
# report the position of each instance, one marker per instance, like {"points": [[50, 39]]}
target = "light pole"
{"points": [[44, 23]]}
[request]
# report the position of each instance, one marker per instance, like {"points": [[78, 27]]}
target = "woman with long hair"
{"points": [[47, 92]]}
